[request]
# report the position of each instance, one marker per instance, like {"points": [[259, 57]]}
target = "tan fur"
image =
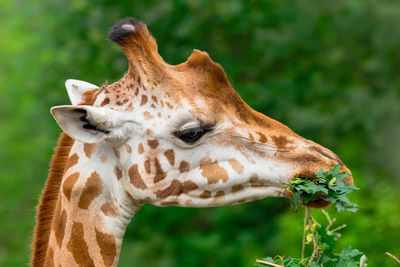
{"points": [[212, 171], [135, 177], [46, 208], [48, 200], [89, 149], [199, 78], [184, 166], [92, 189], [170, 155]]}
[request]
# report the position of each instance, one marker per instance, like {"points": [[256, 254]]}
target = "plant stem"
{"points": [[394, 257], [303, 244], [268, 263], [339, 228], [315, 253], [327, 216], [330, 224]]}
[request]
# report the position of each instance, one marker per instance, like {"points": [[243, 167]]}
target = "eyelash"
{"points": [[191, 135]]}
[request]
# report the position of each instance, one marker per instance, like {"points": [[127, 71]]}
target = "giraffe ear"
{"points": [[88, 124], [76, 89]]}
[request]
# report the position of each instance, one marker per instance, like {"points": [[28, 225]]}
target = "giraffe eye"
{"points": [[190, 135]]}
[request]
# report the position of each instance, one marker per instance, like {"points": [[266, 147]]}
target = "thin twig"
{"points": [[282, 260], [303, 245], [315, 250], [327, 215], [268, 263], [394, 257], [339, 228], [330, 224]]}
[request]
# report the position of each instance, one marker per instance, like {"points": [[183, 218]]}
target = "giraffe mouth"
{"points": [[319, 203]]}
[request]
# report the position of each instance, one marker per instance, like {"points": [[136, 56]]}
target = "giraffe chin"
{"points": [[319, 203]]}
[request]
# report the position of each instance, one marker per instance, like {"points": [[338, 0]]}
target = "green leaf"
{"points": [[289, 262], [344, 199], [347, 257], [328, 186]]}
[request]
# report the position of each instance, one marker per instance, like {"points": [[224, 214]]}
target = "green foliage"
{"points": [[327, 186], [348, 257], [323, 240], [327, 69]]}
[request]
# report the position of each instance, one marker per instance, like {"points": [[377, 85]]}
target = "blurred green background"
{"points": [[327, 69]]}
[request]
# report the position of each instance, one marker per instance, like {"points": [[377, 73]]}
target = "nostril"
{"points": [[327, 154]]}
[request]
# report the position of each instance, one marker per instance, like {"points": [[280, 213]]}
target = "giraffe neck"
{"points": [[92, 210]]}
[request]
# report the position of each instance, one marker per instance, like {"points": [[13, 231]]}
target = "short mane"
{"points": [[48, 199]]}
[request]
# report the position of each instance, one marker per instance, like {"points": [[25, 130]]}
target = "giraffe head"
{"points": [[181, 135]]}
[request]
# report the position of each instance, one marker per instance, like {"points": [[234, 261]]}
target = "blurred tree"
{"points": [[328, 69]]}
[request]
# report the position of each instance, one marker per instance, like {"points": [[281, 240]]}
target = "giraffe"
{"points": [[168, 135]]}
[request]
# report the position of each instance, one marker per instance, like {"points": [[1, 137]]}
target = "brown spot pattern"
{"points": [[220, 194], [169, 105], [263, 138], [92, 189], [148, 115], [236, 165], [109, 209], [205, 194], [140, 148], [251, 137], [129, 108], [89, 149], [144, 100], [160, 174], [117, 172], [153, 143], [176, 188], [184, 166], [69, 183], [189, 186], [169, 203], [108, 249], [78, 247], [280, 141], [60, 220], [147, 165], [71, 161], [135, 178], [212, 171], [154, 98], [105, 102], [128, 148], [237, 188], [170, 155]]}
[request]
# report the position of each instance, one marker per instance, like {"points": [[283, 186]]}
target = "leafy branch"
{"points": [[328, 186]]}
